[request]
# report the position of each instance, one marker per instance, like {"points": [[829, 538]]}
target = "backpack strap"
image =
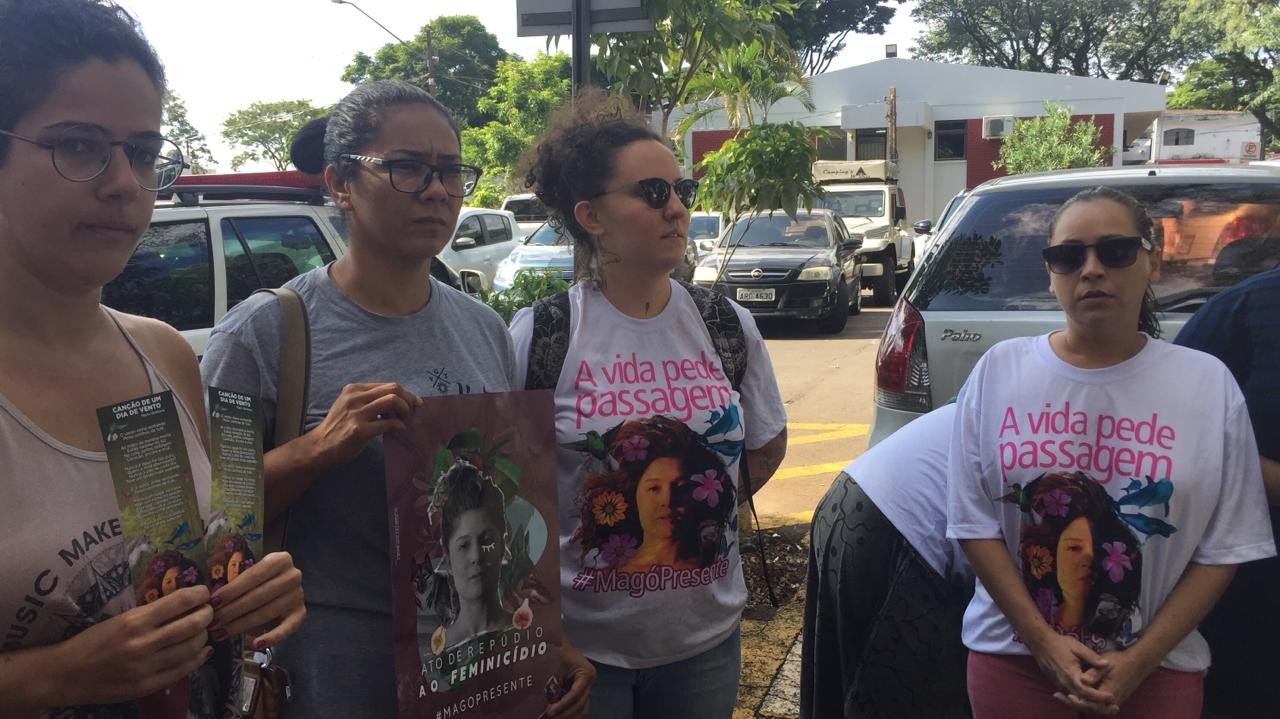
{"points": [[292, 386], [725, 328], [550, 342]]}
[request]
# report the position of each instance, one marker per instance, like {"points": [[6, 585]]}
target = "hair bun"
{"points": [[307, 150]]}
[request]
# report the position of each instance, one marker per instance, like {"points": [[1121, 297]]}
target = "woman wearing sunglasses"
{"points": [[1105, 484], [383, 333], [81, 160], [634, 346]]}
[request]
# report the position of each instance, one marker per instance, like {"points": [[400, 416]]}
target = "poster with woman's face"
{"points": [[473, 508]]}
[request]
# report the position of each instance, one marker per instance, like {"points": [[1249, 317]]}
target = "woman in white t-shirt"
{"points": [[1104, 484], [652, 427]]}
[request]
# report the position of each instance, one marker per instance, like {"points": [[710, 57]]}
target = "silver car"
{"points": [[983, 279]]}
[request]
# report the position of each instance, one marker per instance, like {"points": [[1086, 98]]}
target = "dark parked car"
{"points": [[774, 266]]}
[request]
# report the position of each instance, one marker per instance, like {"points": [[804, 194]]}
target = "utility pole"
{"points": [[580, 20], [891, 138], [431, 63]]}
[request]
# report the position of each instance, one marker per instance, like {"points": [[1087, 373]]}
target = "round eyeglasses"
{"points": [[413, 176], [156, 162]]}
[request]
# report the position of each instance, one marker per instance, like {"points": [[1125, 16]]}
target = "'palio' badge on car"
{"points": [[961, 336]]}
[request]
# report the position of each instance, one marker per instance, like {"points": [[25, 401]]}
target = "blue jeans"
{"points": [[700, 687]]}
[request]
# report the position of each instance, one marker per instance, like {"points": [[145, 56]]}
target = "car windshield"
{"points": [[1212, 236], [530, 210], [704, 227], [547, 235], [854, 203], [780, 231]]}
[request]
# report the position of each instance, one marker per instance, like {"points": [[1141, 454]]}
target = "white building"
{"points": [[1211, 136], [944, 145]]}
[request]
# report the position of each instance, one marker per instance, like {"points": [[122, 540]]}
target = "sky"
{"points": [[237, 52]]}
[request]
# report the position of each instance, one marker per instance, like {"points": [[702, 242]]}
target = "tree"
{"points": [[816, 29], [521, 98], [743, 79], [1052, 142], [265, 130], [177, 127], [767, 167], [1241, 71], [1119, 39], [658, 68], [467, 60]]}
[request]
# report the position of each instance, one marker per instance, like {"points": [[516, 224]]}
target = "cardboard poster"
{"points": [[159, 516], [234, 533], [473, 510]]}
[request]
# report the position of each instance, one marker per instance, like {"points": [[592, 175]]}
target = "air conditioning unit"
{"points": [[996, 127]]}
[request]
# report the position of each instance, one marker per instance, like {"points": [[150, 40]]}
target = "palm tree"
{"points": [[745, 80]]}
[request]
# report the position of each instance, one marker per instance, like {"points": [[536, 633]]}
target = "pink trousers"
{"points": [[1007, 686]]}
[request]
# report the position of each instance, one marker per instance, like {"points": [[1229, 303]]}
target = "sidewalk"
{"points": [[770, 685]]}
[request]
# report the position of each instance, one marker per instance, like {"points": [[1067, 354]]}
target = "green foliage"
{"points": [[1120, 39], [489, 193], [766, 167], [816, 30], [177, 127], [528, 287], [742, 79], [522, 97], [656, 69], [1241, 70], [467, 60], [265, 130], [1051, 142]]}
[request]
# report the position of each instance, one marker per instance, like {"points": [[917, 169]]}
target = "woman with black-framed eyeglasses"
{"points": [[1104, 486], [383, 334], [81, 158], [653, 591]]}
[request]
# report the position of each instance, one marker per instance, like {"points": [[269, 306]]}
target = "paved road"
{"points": [[827, 383]]}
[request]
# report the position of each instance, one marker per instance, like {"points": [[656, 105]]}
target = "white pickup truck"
{"points": [[867, 197]]}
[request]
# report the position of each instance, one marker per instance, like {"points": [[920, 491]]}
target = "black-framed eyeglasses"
{"points": [[414, 176], [655, 191], [157, 162], [1113, 252]]}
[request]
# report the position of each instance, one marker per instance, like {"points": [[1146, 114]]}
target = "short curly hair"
{"points": [[574, 160]]}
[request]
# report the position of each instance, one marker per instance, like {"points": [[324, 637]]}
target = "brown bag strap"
{"points": [[292, 386]]}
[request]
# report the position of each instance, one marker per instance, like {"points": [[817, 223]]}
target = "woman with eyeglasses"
{"points": [[627, 342], [383, 333], [81, 160], [1093, 609]]}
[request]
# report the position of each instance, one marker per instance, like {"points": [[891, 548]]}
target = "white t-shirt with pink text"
{"points": [[650, 437], [1105, 484]]}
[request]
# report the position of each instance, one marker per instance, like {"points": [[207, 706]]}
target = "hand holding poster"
{"points": [[474, 557]]}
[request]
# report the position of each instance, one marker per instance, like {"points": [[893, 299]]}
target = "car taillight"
{"points": [[902, 364]]}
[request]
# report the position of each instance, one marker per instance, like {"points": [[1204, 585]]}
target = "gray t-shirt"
{"points": [[341, 659]]}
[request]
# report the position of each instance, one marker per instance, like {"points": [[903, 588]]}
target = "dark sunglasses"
{"points": [[655, 191], [1113, 252]]}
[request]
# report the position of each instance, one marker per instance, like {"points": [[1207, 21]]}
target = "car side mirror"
{"points": [[471, 283], [463, 243], [851, 245], [923, 227], [899, 213], [706, 245]]}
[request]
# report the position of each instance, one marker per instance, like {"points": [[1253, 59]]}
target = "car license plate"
{"points": [[749, 295]]}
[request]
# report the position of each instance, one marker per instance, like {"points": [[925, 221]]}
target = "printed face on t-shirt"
{"points": [[653, 498], [1075, 559]]}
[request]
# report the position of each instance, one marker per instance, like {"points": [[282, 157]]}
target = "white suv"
{"points": [[209, 247], [482, 239]]}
